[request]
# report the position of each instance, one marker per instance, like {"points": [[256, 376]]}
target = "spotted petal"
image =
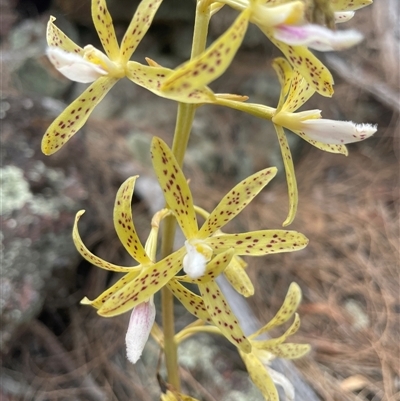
{"points": [[153, 77], [349, 5], [260, 377], [57, 38], [222, 315], [102, 298], [123, 222], [288, 308], [326, 147], [274, 342], [93, 259], [236, 200], [343, 16], [284, 72], [238, 278], [257, 243], [176, 190], [105, 29], [290, 350], [300, 91], [213, 62], [290, 175], [138, 27], [192, 302], [315, 73], [151, 279], [75, 115]]}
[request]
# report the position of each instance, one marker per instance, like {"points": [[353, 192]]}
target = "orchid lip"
{"points": [[196, 258], [337, 132], [317, 37], [73, 66]]}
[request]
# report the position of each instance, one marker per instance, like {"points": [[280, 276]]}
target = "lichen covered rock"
{"points": [[38, 203]]}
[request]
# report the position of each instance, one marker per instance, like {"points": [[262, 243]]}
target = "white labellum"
{"points": [[73, 66], [337, 132], [195, 262], [317, 37]]}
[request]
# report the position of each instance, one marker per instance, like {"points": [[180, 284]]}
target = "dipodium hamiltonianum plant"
{"points": [[294, 27]]}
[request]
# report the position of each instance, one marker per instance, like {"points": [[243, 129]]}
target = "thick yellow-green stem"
{"points": [[183, 128]]}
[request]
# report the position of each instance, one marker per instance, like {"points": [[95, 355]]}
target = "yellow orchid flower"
{"points": [[283, 22], [206, 254], [264, 351], [89, 64], [268, 15], [328, 135], [143, 314]]}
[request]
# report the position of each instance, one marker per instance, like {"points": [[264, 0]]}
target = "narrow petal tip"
{"points": [[80, 213], [86, 301], [343, 16]]}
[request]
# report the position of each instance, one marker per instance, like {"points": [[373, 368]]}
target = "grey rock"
{"points": [[38, 204]]}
